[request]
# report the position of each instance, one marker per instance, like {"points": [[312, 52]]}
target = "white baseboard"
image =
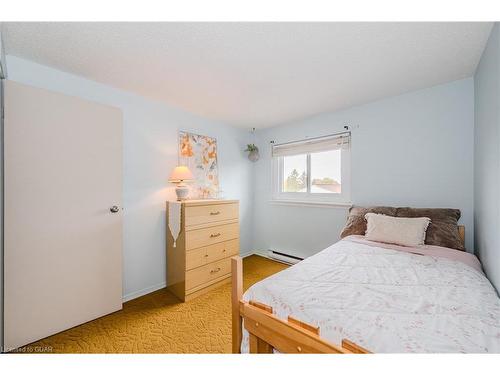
{"points": [[247, 254], [143, 292], [261, 253]]}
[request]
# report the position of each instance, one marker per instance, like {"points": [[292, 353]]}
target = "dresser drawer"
{"points": [[205, 274], [209, 236], [197, 257], [211, 213], [208, 254], [223, 250]]}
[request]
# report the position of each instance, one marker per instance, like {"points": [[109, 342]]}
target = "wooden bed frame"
{"points": [[461, 233], [268, 332]]}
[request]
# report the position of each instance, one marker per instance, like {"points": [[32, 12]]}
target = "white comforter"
{"points": [[386, 300]]}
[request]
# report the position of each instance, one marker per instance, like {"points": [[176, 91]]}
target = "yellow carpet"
{"points": [[159, 323]]}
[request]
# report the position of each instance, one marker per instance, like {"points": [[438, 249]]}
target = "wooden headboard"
{"points": [[461, 233]]}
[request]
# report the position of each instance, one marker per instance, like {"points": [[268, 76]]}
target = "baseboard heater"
{"points": [[282, 257]]}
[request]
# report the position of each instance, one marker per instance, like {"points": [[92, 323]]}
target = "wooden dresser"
{"points": [[209, 237]]}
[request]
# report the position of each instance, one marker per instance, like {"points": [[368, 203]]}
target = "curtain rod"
{"points": [[346, 131]]}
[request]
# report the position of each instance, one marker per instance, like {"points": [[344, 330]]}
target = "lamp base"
{"points": [[182, 192]]}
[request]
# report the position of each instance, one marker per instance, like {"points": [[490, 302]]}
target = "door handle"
{"points": [[114, 209]]}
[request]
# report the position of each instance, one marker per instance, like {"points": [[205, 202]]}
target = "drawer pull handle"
{"points": [[215, 213], [213, 235], [206, 255], [215, 270]]}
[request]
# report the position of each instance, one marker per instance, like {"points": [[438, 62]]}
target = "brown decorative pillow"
{"points": [[442, 230], [356, 222]]}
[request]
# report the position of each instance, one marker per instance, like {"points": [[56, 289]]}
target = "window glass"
{"points": [[326, 172], [294, 174]]}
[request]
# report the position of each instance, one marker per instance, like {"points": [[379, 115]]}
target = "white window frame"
{"points": [[308, 198]]}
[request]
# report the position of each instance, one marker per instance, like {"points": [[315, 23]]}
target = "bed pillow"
{"points": [[356, 222], [443, 229], [396, 230]]}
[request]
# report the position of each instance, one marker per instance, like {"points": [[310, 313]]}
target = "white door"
{"points": [[63, 243]]}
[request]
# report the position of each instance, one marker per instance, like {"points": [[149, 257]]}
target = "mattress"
{"points": [[389, 299]]}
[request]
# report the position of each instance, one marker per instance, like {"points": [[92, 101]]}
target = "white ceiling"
{"points": [[256, 74]]}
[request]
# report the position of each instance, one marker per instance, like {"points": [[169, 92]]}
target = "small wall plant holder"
{"points": [[253, 152]]}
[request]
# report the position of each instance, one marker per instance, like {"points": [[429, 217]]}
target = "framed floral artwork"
{"points": [[199, 154]]}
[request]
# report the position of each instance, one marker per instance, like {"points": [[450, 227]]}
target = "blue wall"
{"points": [[414, 150], [487, 158]]}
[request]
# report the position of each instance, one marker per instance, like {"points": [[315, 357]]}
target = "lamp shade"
{"points": [[180, 173]]}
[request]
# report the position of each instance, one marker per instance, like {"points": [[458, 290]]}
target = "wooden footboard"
{"points": [[268, 332]]}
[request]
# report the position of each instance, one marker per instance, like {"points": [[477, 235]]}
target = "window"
{"points": [[313, 171]]}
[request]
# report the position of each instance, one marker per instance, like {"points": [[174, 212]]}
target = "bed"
{"points": [[364, 296]]}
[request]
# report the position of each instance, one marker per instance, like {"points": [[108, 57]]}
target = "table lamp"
{"points": [[179, 175]]}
